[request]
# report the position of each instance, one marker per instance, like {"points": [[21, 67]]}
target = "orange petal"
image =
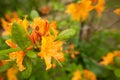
{"points": [[18, 56], [117, 11], [89, 75], [11, 74], [107, 59], [100, 7], [48, 62], [10, 43], [77, 75]]}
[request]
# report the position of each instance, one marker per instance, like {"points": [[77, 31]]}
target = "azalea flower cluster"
{"points": [[71, 50], [83, 75], [117, 11], [80, 11], [41, 36], [6, 23], [109, 58]]}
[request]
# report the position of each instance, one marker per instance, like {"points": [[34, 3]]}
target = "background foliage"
{"points": [[101, 36]]}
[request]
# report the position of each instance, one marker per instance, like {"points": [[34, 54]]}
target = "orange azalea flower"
{"points": [[1, 78], [50, 49], [77, 75], [41, 28], [24, 23], [35, 36], [15, 15], [11, 74], [100, 6], [80, 11], [18, 56], [117, 11], [42, 25], [85, 74], [72, 52], [10, 17], [53, 65], [7, 25], [45, 9], [117, 53], [108, 59], [89, 75]]}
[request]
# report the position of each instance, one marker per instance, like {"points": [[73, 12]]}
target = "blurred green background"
{"points": [[102, 38]]}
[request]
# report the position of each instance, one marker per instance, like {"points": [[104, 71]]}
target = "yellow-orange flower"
{"points": [[18, 56], [50, 49], [117, 11], [80, 11], [11, 73], [7, 25], [107, 59], [24, 23], [77, 75], [89, 75], [45, 9], [72, 52], [100, 6], [10, 17], [117, 53], [85, 74], [41, 25]]}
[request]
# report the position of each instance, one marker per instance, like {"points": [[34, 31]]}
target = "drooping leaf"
{"points": [[27, 72], [66, 34], [19, 36]]}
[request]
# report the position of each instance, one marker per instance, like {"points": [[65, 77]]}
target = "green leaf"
{"points": [[32, 77], [117, 61], [19, 36], [66, 34], [27, 72], [3, 52], [110, 66], [5, 67], [31, 54], [34, 14], [117, 72], [113, 4]]}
